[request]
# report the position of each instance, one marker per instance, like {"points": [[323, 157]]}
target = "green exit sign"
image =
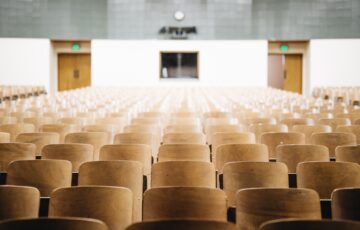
{"points": [[284, 48], [75, 46]]}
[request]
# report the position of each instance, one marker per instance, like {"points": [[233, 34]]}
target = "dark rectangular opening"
{"points": [[175, 65]]}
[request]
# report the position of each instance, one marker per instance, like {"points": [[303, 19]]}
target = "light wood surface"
{"points": [[75, 153], [184, 152], [137, 138], [350, 153], [309, 130], [334, 122], [182, 129], [4, 137], [272, 140], [324, 177], [296, 224], [74, 71], [212, 129], [240, 152], [182, 224], [292, 155], [18, 202], [240, 175], [260, 129], [184, 203], [230, 138], [345, 204], [257, 205], [128, 174], [113, 205], [54, 223], [291, 122], [293, 73], [354, 129], [183, 174], [45, 175], [16, 129], [132, 152], [332, 140], [184, 138], [15, 151], [96, 139], [39, 139], [61, 129]]}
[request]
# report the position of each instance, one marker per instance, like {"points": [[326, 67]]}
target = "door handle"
{"points": [[76, 73]]}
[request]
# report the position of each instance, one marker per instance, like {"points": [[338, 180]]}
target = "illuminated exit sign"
{"points": [[284, 48], [75, 46]]}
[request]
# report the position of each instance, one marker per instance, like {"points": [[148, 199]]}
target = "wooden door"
{"points": [[293, 73], [276, 71], [74, 71]]}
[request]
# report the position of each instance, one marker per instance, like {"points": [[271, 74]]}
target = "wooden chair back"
{"points": [[325, 177], [45, 175]]}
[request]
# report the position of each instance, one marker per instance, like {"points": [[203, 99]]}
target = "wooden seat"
{"points": [[45, 175], [16, 129], [297, 224], [184, 138], [38, 121], [117, 123], [61, 129], [240, 152], [4, 137], [54, 223], [105, 128], [334, 122], [272, 140], [255, 206], [169, 203], [332, 140], [345, 204], [259, 129], [96, 139], [39, 139], [137, 138], [8, 120], [354, 129], [230, 138], [75, 153], [309, 130], [212, 129], [132, 152], [184, 152], [79, 121], [182, 224], [183, 174], [240, 175], [182, 129], [324, 177], [15, 151], [258, 121], [113, 205], [292, 155], [18, 202], [350, 153], [291, 122], [128, 174]]}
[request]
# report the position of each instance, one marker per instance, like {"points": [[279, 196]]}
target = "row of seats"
{"points": [[207, 154], [15, 92]]}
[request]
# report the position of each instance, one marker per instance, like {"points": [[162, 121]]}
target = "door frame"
{"points": [[65, 47], [296, 47]]}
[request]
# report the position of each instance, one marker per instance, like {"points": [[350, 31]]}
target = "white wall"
{"points": [[335, 62], [25, 61], [237, 63]]}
